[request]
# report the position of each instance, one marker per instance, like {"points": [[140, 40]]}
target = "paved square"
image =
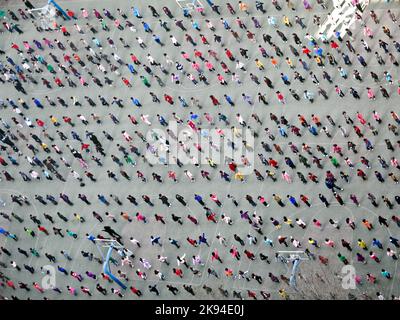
{"points": [[147, 120]]}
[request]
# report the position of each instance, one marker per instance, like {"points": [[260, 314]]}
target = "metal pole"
{"points": [[294, 272], [107, 271], [59, 8]]}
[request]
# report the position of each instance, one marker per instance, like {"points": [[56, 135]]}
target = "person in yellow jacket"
{"points": [[211, 162], [286, 21], [361, 243], [259, 64], [283, 294], [236, 132], [45, 147], [313, 242], [290, 63], [288, 221], [239, 176], [54, 121], [319, 61]]}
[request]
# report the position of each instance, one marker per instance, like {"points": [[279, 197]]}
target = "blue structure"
{"points": [[294, 272], [111, 245], [210, 3], [55, 4], [107, 270]]}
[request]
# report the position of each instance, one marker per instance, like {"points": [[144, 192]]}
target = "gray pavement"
{"points": [[334, 106]]}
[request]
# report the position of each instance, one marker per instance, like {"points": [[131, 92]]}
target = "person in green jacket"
{"points": [[145, 81], [334, 161], [104, 25], [129, 160], [29, 232], [34, 252], [72, 234], [40, 59], [50, 68], [343, 258]]}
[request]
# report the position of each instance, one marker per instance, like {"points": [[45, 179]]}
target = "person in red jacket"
{"points": [[198, 54], [232, 166], [40, 123], [67, 58], [64, 31], [306, 51], [126, 82], [361, 174], [215, 256], [215, 100], [71, 14], [168, 98], [136, 291], [229, 54], [85, 146], [44, 230], [252, 294], [358, 131], [10, 284], [134, 59], [16, 47], [305, 200], [178, 272], [204, 40], [312, 177], [330, 175], [211, 217], [193, 242], [280, 97], [249, 255], [58, 82], [68, 120], [193, 219], [273, 163], [3, 162], [334, 45]]}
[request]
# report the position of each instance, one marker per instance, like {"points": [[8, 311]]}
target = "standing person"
{"points": [[338, 198], [278, 199], [305, 200]]}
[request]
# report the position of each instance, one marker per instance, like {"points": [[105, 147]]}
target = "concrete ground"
{"points": [[334, 107]]}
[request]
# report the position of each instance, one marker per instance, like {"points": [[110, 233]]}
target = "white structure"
{"points": [[190, 4], [111, 245], [296, 257], [290, 256], [46, 15], [342, 17]]}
